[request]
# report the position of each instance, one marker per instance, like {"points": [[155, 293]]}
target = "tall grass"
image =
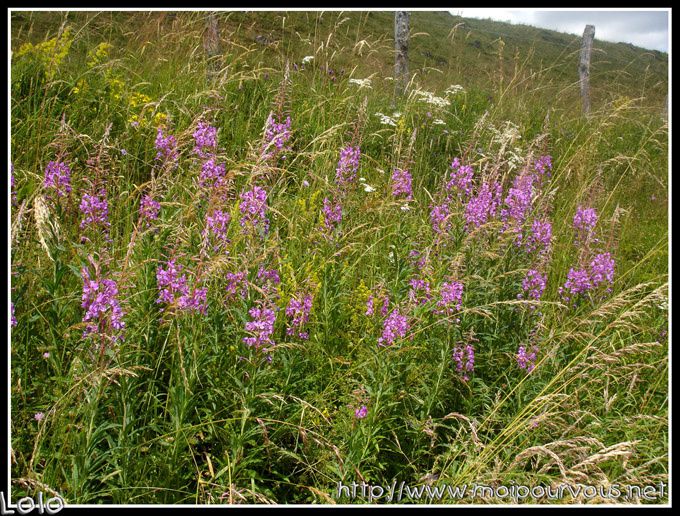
{"points": [[182, 411]]}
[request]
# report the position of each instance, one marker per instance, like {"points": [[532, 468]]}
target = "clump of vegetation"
{"points": [[248, 285]]}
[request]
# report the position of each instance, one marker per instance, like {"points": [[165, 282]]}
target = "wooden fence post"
{"points": [[211, 43], [584, 66], [401, 29]]}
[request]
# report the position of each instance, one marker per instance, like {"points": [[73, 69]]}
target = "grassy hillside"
{"points": [[443, 48], [216, 305]]}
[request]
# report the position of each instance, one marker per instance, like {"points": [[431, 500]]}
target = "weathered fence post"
{"points": [[401, 29], [584, 66], [211, 43]]}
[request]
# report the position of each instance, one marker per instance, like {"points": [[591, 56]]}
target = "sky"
{"points": [[646, 29]]}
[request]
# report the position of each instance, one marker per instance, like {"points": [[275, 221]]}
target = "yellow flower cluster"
{"points": [[99, 54], [160, 120], [401, 125], [312, 269], [138, 99], [288, 279], [135, 100], [305, 207], [139, 105], [357, 306], [116, 86], [80, 87], [50, 53], [310, 283]]}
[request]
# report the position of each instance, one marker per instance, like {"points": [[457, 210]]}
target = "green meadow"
{"points": [[246, 277]]}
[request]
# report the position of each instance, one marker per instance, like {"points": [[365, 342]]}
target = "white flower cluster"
{"points": [[430, 98], [307, 59], [362, 83], [515, 158], [453, 89], [388, 120], [367, 188], [506, 138], [507, 135]]}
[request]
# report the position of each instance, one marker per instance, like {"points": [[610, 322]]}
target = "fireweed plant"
{"points": [[248, 285]]}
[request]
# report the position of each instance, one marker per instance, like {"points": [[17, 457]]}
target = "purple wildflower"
{"points": [[602, 269], [58, 176], [96, 210], [578, 282], [262, 328], [401, 184], [348, 165], [395, 326], [254, 209], [464, 357], [166, 147], [12, 185], [174, 288], [419, 293], [439, 218], [518, 201], [13, 319], [526, 357], [171, 283], [149, 209], [102, 309], [216, 226], [361, 412], [370, 304], [460, 179], [539, 237], [205, 137], [483, 206], [269, 279], [268, 276], [197, 300], [236, 281], [212, 174], [298, 310], [543, 166], [418, 260], [276, 136], [385, 305], [533, 285], [39, 416], [332, 214], [451, 298], [584, 223]]}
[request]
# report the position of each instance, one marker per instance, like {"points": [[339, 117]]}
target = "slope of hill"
{"points": [[478, 53]]}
